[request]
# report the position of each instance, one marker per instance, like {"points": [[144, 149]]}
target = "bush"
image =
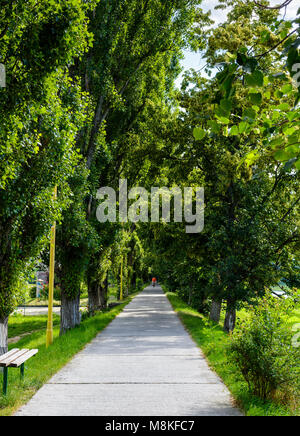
{"points": [[195, 297], [32, 292], [139, 285], [262, 348], [45, 293]]}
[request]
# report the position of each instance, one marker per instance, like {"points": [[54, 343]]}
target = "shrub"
{"points": [[262, 348], [195, 297], [84, 314], [139, 285], [45, 293], [32, 292]]}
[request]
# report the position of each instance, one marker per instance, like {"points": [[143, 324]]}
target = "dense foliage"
{"points": [[90, 99], [41, 109], [263, 350]]}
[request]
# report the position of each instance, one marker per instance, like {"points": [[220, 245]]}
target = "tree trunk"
{"points": [[215, 311], [70, 313], [230, 318], [133, 276], [103, 294], [3, 335], [94, 300]]}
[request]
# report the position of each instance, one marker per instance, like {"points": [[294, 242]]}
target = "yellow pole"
{"points": [[121, 285], [49, 335]]}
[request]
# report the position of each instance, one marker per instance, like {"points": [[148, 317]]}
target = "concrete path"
{"points": [[36, 311], [143, 364]]}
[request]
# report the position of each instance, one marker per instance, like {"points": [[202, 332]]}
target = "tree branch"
{"points": [[277, 45], [283, 5], [290, 209]]}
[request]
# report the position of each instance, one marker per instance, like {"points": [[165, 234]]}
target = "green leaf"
{"points": [[265, 36], [255, 79], [286, 88], [289, 130], [227, 84], [278, 94], [292, 115], [234, 131], [294, 138], [293, 150], [250, 114], [256, 98], [223, 120], [199, 133], [226, 105], [252, 157], [281, 155], [243, 127], [267, 95], [214, 126], [275, 143], [284, 107]]}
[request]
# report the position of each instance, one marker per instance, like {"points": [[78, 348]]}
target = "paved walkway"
{"points": [[143, 364], [36, 311]]}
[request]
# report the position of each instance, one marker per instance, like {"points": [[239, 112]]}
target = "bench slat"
{"points": [[10, 353], [20, 360], [6, 362]]}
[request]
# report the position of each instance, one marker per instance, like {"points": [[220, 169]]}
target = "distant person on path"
{"points": [[154, 281]]}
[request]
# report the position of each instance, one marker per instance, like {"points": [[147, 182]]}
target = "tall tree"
{"points": [[41, 109], [134, 43], [251, 211]]}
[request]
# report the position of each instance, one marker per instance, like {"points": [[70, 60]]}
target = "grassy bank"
{"points": [[36, 302], [39, 369], [213, 342], [18, 324]]}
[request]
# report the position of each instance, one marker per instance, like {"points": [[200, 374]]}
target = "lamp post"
{"points": [[49, 335]]}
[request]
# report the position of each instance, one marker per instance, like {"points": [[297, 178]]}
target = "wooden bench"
{"points": [[14, 359]]}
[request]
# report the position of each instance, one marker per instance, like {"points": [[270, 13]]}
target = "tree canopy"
{"points": [[90, 98]]}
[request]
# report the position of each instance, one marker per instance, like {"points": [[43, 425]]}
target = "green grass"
{"points": [[112, 297], [39, 302], [213, 342], [113, 292], [30, 302], [47, 362], [18, 324]]}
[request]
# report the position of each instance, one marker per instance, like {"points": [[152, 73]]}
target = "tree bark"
{"points": [[103, 294], [230, 318], [3, 335], [133, 278], [215, 311], [97, 121], [94, 299], [70, 313]]}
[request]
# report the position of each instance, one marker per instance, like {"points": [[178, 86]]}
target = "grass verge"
{"points": [[18, 324], [213, 342], [47, 362]]}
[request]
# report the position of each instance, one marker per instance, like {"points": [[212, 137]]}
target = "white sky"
{"points": [[194, 60]]}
